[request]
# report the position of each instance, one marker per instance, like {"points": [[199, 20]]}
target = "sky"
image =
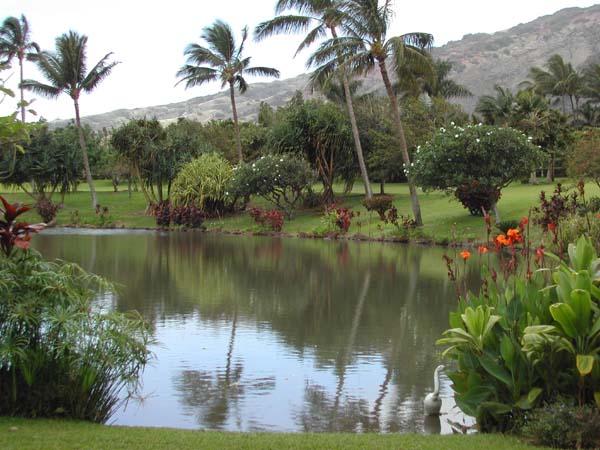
{"points": [[148, 38]]}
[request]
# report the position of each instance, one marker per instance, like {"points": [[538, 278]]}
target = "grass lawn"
{"points": [[443, 216], [25, 434]]}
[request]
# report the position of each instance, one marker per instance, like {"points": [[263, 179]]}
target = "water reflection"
{"points": [[277, 334]]}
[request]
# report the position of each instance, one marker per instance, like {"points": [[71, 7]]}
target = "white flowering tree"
{"points": [[474, 163], [279, 179]]}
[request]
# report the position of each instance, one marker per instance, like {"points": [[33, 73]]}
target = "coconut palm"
{"points": [[15, 42], [221, 60], [496, 110], [443, 86], [561, 80], [66, 72], [364, 47], [591, 77], [317, 18]]}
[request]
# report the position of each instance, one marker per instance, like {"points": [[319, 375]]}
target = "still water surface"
{"points": [[270, 334]]}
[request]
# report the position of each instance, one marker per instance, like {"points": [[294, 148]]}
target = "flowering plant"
{"points": [[15, 234]]}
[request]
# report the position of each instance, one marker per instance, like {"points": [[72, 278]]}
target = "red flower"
{"points": [[539, 254], [551, 227], [465, 254], [482, 249], [524, 221]]}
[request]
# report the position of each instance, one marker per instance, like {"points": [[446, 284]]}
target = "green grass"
{"points": [[443, 216], [25, 434]]}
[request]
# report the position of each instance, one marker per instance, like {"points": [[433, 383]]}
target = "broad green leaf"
{"points": [[496, 408], [585, 364], [597, 398], [564, 315], [496, 370], [508, 352], [581, 304], [534, 394]]}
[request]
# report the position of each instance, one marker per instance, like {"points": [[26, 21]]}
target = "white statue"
{"points": [[433, 402]]}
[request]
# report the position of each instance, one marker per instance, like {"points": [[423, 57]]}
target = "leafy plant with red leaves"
{"points": [[12, 233], [268, 219]]}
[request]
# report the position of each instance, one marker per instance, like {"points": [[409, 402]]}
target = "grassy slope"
{"points": [[49, 434], [441, 213]]}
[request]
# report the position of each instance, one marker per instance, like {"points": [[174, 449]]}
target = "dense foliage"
{"points": [[202, 183], [488, 155], [279, 179], [59, 355], [584, 158]]}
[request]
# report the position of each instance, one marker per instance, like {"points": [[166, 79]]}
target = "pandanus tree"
{"points": [[317, 18], [66, 72], [15, 42], [363, 47], [222, 60]]}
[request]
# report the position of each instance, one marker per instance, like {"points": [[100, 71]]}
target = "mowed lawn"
{"points": [[23, 434], [444, 217]]}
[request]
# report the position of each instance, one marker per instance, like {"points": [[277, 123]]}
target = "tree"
{"points": [[496, 110], [15, 41], [325, 15], [591, 78], [475, 162], [443, 86], [221, 60], [584, 159], [364, 47], [66, 72], [561, 81]]}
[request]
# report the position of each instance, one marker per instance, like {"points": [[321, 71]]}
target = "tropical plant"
{"points": [[271, 220], [221, 60], [12, 233], [13, 134], [490, 156], [66, 72], [203, 183], [591, 78], [584, 157], [326, 17], [443, 86], [560, 81], [15, 41], [319, 133], [496, 110], [365, 46], [279, 179]]}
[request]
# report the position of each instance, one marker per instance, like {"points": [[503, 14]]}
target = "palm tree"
{"points": [[66, 72], [325, 16], [364, 47], [15, 41], [561, 80], [591, 77], [496, 110], [221, 60], [443, 86]]}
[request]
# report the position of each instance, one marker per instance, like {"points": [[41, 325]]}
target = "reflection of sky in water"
{"points": [[284, 342]]}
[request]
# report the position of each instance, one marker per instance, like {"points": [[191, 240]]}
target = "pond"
{"points": [[272, 334]]}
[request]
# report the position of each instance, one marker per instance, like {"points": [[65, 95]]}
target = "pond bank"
{"points": [[22, 434]]}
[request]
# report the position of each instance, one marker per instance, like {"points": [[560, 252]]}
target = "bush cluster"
{"points": [[380, 204], [47, 209], [185, 216], [269, 220]]}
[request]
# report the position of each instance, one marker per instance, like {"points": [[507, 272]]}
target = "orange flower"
{"points": [[514, 235], [482, 249], [524, 221], [551, 227], [539, 254], [502, 240], [465, 254]]}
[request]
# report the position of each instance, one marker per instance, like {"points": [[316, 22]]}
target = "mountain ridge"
{"points": [[481, 60]]}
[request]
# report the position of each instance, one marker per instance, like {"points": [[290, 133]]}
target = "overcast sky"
{"points": [[148, 38]]}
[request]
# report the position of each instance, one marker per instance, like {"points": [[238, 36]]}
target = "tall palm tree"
{"points": [[66, 72], [323, 16], [15, 41], [221, 60], [561, 80], [365, 46], [443, 86], [497, 110], [591, 77]]}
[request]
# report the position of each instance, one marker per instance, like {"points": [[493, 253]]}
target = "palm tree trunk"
{"points": [[236, 125], [357, 145], [21, 88], [416, 207], [86, 162]]}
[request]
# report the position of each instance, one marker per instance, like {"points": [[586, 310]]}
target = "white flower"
{"points": [[478, 141], [281, 160], [456, 135], [452, 123]]}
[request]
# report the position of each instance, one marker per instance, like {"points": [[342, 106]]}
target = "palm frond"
{"points": [[241, 84], [220, 39], [99, 72], [315, 34], [263, 72], [288, 24], [45, 90], [196, 76], [198, 55]]}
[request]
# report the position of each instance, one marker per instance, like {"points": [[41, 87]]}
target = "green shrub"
{"points": [[593, 205], [522, 342], [279, 179], [562, 425], [202, 183], [380, 204]]}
